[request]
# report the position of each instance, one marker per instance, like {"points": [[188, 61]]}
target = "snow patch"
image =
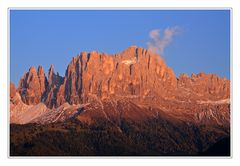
{"points": [[130, 61]]}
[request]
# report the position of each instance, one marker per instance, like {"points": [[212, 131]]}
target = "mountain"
{"points": [[133, 96]]}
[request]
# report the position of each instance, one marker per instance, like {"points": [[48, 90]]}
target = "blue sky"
{"points": [[45, 37]]}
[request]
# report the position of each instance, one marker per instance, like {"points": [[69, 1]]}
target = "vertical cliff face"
{"points": [[54, 83], [54, 80], [135, 72], [32, 85], [13, 90], [42, 79], [129, 93]]}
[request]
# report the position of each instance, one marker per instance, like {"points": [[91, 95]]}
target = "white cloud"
{"points": [[159, 42]]}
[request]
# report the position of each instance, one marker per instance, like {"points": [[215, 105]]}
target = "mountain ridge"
{"points": [[98, 73], [132, 96], [135, 76]]}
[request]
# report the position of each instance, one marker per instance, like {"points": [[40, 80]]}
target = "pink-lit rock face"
{"points": [[136, 78], [33, 85], [13, 90], [135, 71], [209, 86], [133, 94]]}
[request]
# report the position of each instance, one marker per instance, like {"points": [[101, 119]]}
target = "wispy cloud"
{"points": [[160, 40]]}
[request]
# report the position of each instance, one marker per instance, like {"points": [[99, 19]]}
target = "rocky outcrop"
{"points": [[32, 86], [205, 86], [54, 82], [42, 79], [13, 90], [136, 73], [134, 93]]}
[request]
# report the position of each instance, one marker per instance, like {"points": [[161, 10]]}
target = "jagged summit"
{"points": [[135, 71], [51, 69], [133, 94]]}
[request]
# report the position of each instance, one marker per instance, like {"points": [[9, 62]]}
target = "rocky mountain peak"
{"points": [[208, 86], [129, 53], [134, 72], [32, 70], [51, 74], [33, 85], [134, 91], [51, 70], [40, 71]]}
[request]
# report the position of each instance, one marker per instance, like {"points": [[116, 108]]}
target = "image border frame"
{"points": [[121, 8]]}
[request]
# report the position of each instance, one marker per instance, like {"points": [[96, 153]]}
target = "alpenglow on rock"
{"points": [[33, 85], [135, 72], [104, 76], [132, 100]]}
